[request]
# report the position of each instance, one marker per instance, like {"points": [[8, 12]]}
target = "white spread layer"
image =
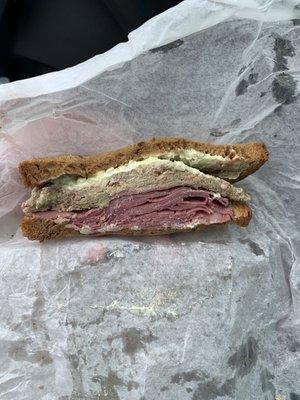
{"points": [[198, 159], [192, 157]]}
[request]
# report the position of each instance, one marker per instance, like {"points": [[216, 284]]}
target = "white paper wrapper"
{"points": [[212, 315]]}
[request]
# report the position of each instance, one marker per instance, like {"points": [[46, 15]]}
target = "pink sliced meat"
{"points": [[175, 207]]}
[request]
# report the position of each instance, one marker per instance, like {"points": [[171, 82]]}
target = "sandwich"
{"points": [[156, 187]]}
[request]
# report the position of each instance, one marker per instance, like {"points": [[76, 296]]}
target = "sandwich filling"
{"points": [[174, 208], [153, 193]]}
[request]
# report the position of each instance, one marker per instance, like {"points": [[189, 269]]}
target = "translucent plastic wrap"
{"points": [[212, 315]]}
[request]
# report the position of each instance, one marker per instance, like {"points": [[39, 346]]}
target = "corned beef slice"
{"points": [[175, 207]]}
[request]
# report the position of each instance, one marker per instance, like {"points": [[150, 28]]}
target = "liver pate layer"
{"points": [[142, 179]]}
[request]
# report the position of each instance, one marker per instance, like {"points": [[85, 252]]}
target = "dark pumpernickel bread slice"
{"points": [[38, 171], [43, 229]]}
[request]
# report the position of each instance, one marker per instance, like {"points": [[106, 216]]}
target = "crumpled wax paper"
{"points": [[211, 315]]}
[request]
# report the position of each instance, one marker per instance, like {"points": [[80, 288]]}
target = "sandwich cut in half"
{"points": [[155, 187]]}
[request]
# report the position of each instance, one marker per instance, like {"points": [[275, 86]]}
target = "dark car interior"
{"points": [[40, 36]]}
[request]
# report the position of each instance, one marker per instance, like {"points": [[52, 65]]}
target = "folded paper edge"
{"points": [[186, 18]]}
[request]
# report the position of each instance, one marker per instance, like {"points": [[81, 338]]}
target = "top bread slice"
{"points": [[36, 172]]}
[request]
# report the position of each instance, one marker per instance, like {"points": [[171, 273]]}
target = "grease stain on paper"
{"points": [[157, 308]]}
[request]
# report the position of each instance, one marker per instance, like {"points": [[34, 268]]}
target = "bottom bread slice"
{"points": [[44, 229]]}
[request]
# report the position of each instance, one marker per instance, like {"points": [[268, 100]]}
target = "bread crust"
{"points": [[40, 170], [43, 229]]}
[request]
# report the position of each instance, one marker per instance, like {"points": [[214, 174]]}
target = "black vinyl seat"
{"points": [[48, 35]]}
